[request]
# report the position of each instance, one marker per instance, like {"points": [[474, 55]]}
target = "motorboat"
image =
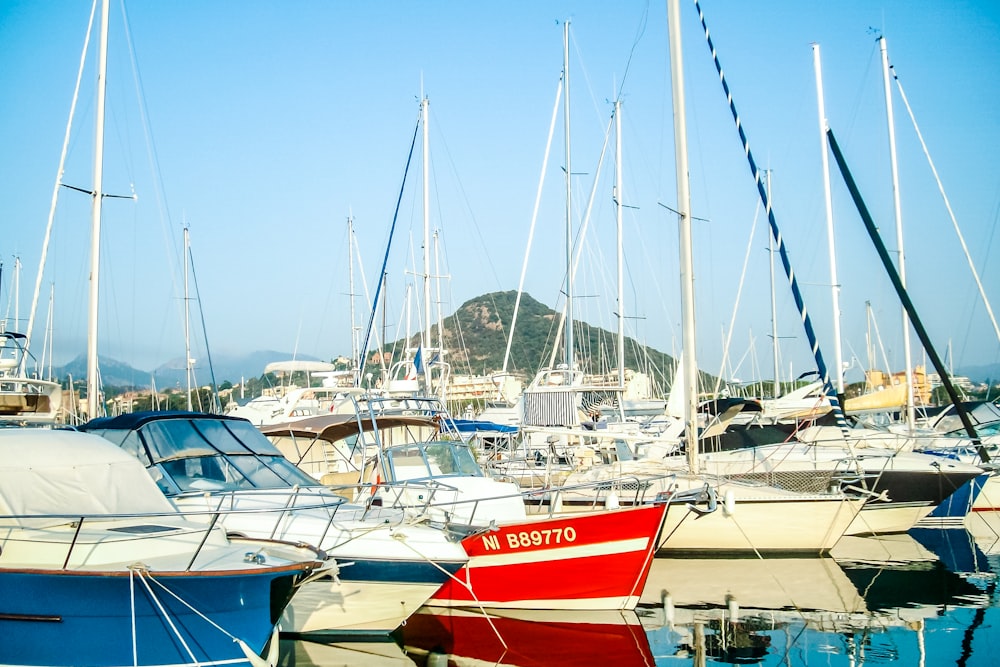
{"points": [[391, 562], [98, 568]]}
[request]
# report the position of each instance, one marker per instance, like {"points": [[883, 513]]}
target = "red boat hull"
{"points": [[596, 561]]}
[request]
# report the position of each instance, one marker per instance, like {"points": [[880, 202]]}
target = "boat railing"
{"points": [[606, 493], [141, 526], [320, 501], [610, 492]]}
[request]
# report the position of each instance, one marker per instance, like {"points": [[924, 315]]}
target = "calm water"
{"points": [[924, 598]]}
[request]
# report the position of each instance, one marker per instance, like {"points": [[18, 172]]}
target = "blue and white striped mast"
{"points": [[831, 392]]}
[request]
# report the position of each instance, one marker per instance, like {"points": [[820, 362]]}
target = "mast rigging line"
{"points": [[385, 258], [531, 230], [578, 242], [58, 183], [831, 392], [947, 203], [217, 402], [897, 283]]}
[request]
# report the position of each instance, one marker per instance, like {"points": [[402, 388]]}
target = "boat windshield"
{"points": [[206, 454], [432, 459], [230, 473]]}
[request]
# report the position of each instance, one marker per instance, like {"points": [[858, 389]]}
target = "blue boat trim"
{"points": [[399, 572]]}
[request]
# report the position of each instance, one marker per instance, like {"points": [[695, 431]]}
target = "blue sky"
{"points": [[264, 125]]}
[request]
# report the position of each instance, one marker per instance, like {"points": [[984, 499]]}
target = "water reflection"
{"points": [[528, 639], [923, 598]]}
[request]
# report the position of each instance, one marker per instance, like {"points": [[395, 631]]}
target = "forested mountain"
{"points": [[475, 338]]}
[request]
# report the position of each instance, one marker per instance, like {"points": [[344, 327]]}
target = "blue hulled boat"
{"points": [[98, 569]]}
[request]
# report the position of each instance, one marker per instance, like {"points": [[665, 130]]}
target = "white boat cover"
{"points": [[299, 365], [54, 472]]}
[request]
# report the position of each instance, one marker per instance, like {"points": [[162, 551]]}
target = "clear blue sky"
{"points": [[263, 125]]}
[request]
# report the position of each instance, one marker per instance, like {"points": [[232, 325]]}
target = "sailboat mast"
{"points": [[838, 353], [774, 303], [93, 389], [442, 388], [350, 264], [899, 228], [425, 341], [569, 203], [187, 318], [620, 243], [688, 361]]}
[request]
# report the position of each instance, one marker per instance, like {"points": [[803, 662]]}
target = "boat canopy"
{"points": [[298, 365], [334, 427], [62, 472]]}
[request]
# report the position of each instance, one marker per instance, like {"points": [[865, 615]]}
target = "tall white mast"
{"points": [[569, 204], [774, 303], [188, 362], [17, 293], [93, 388], [442, 389], [425, 340], [688, 361], [350, 264], [899, 228], [55, 188], [621, 270], [838, 352]]}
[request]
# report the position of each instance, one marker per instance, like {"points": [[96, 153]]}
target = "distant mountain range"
{"points": [[173, 373], [475, 338]]}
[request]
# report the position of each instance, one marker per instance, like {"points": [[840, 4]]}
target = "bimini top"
{"points": [[333, 427], [133, 420], [61, 472]]}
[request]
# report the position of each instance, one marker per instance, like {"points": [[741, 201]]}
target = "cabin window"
{"points": [[243, 431], [202, 473], [407, 463], [133, 445], [272, 472], [215, 432], [174, 438]]}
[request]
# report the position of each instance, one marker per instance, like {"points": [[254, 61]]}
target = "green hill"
{"points": [[475, 338]]}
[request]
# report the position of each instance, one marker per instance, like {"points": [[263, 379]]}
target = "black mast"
{"points": [[918, 326]]}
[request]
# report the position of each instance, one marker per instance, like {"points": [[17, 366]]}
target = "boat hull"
{"points": [[810, 524], [85, 619], [580, 561], [369, 597]]}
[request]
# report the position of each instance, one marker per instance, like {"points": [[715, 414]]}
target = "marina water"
{"points": [[924, 598]]}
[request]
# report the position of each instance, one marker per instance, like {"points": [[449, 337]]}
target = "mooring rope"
{"points": [[145, 577], [465, 584]]}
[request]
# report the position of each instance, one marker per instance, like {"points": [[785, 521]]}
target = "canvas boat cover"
{"points": [[61, 472]]}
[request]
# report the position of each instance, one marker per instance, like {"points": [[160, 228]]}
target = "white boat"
{"points": [[83, 529], [291, 401], [392, 563], [25, 400]]}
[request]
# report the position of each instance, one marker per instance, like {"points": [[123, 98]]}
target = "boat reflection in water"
{"points": [[527, 638], [437, 637], [890, 599], [922, 598]]}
